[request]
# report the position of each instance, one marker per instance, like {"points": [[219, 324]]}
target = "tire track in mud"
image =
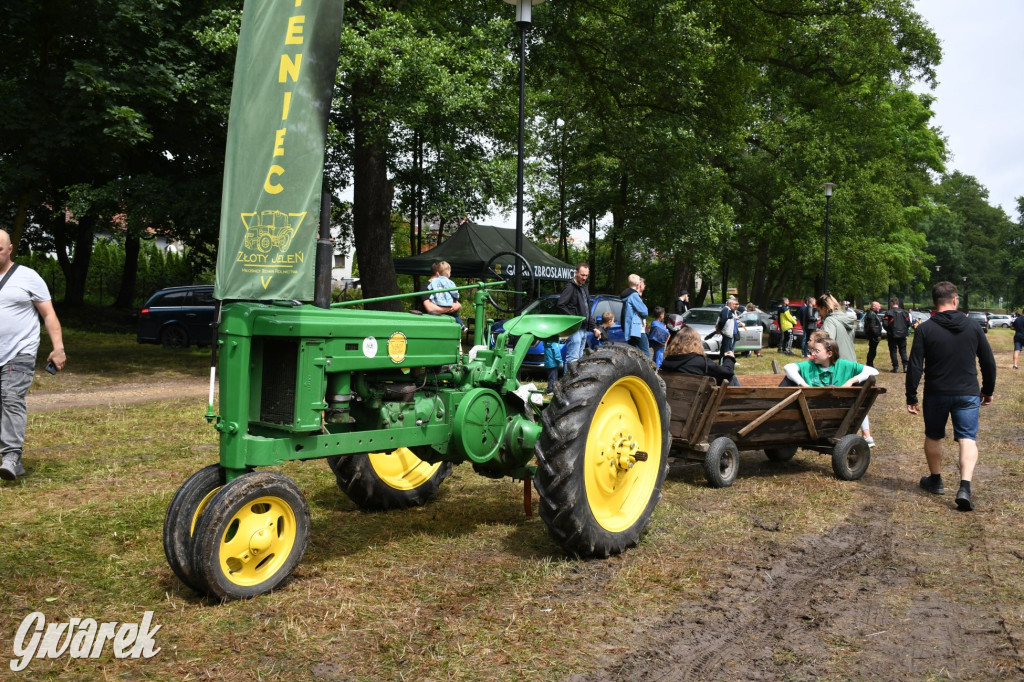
{"points": [[851, 595]]}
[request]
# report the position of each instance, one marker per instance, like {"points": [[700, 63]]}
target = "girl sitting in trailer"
{"points": [[826, 368]]}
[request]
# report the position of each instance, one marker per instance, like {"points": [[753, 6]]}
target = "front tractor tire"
{"points": [[183, 514], [251, 536], [384, 481], [603, 453]]}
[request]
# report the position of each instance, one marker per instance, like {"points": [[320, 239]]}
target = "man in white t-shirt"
{"points": [[24, 299]]}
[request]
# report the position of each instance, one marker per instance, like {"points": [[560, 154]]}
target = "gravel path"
{"points": [[122, 394]]}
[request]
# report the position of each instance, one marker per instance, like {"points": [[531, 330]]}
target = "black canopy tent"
{"points": [[473, 246]]}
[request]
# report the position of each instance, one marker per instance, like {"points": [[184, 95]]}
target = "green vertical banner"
{"points": [[277, 130]]}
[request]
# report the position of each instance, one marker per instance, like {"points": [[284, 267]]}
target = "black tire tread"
{"points": [[221, 508], [357, 478], [560, 451], [840, 465], [177, 535]]}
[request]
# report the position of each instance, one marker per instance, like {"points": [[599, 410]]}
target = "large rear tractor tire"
{"points": [[383, 481], [251, 536], [186, 507], [603, 454]]}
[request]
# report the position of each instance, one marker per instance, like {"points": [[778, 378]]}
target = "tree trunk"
{"points": [[20, 219], [76, 270], [592, 245], [619, 274], [372, 195], [680, 277], [126, 295]]}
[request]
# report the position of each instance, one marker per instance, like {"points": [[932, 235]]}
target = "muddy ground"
{"points": [[906, 588]]}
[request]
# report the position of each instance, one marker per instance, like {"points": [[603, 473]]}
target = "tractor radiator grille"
{"points": [[277, 394]]}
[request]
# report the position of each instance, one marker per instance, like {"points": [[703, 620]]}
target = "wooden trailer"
{"points": [[712, 424]]}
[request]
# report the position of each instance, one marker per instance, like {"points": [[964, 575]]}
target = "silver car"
{"points": [[999, 321], [704, 320]]}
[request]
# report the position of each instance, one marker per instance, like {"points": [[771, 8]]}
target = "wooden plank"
{"points": [[790, 414], [775, 366], [768, 415], [865, 391], [700, 404], [700, 432], [758, 380], [808, 419]]}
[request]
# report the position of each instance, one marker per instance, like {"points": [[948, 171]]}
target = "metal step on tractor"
{"points": [[392, 403]]}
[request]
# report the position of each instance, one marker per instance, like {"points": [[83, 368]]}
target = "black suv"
{"points": [[981, 318], [178, 316]]}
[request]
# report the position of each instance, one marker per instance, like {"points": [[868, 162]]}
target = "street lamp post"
{"points": [[967, 299], [829, 186], [524, 16]]}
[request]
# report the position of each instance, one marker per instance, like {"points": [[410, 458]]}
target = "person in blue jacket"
{"points": [[634, 314]]}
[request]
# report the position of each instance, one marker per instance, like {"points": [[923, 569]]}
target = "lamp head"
{"points": [[524, 9], [829, 186]]}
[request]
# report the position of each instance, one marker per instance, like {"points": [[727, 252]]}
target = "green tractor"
{"points": [[391, 402]]}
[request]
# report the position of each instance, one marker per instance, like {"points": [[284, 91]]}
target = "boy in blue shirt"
{"points": [[552, 363]]}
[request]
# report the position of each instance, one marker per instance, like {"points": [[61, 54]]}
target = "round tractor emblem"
{"points": [[398, 344]]}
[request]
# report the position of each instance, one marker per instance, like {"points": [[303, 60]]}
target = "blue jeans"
{"points": [[728, 343], [574, 346], [641, 343], [962, 408]]}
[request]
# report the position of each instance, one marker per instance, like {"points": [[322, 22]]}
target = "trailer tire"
{"points": [[780, 454], [251, 536], [182, 515], [721, 463], [850, 457], [596, 494], [383, 481]]}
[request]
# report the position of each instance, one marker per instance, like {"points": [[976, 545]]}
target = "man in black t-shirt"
{"points": [[947, 350]]}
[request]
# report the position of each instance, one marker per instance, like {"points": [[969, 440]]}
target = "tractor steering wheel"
{"points": [[505, 299]]}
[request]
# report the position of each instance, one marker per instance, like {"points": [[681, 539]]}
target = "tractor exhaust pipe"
{"points": [[324, 256]]}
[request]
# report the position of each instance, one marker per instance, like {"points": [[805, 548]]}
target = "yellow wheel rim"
{"points": [[401, 469], [200, 508], [618, 481], [257, 541]]}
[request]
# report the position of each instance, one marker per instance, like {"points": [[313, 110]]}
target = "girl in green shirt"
{"points": [[826, 368]]}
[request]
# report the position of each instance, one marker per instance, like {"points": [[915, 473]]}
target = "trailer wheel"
{"points": [[251, 536], [603, 453], [780, 454], [180, 523], [721, 463], [850, 457], [383, 481]]}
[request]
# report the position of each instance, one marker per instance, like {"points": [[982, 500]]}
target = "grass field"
{"points": [[470, 588]]}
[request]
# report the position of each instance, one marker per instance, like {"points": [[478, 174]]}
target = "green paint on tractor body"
{"points": [[302, 382]]}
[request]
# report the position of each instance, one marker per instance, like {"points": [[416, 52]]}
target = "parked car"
{"points": [[704, 320], [798, 331], [981, 318], [999, 321], [178, 317], [545, 305], [918, 316]]}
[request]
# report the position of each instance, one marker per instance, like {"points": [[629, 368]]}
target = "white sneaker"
{"points": [[870, 441]]}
